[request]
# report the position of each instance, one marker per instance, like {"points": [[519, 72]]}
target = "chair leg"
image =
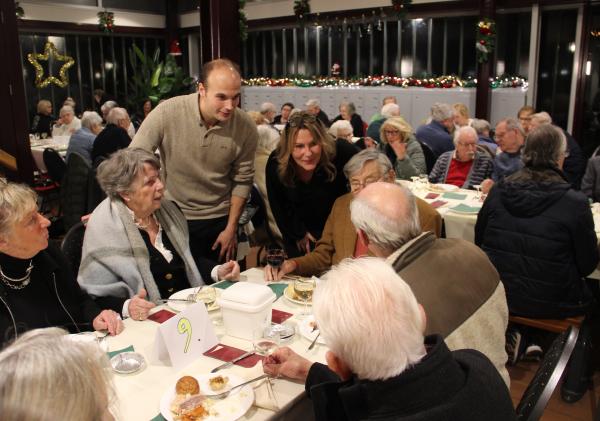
{"points": [[577, 378]]}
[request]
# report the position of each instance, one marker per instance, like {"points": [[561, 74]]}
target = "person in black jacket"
{"points": [[379, 363], [348, 112], [37, 286], [313, 106], [114, 136], [304, 177], [43, 120]]}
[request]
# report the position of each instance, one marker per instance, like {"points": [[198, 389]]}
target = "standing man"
{"points": [[207, 147]]}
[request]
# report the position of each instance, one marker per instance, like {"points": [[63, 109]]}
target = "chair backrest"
{"points": [[72, 244], [430, 156], [546, 378], [55, 164], [74, 190]]}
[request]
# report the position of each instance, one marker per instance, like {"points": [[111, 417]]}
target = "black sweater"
{"points": [[110, 140], [42, 303], [306, 206]]}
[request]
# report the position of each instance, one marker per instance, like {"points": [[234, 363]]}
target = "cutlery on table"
{"points": [[232, 362], [227, 392], [313, 343]]}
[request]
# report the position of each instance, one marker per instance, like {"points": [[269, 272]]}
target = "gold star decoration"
{"points": [[50, 51]]}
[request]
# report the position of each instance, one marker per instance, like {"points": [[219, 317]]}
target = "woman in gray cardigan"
{"points": [[401, 147], [136, 246]]}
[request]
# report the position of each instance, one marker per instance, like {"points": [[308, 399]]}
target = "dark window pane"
{"points": [[469, 67], [437, 47], [184, 6], [337, 45], [421, 31], [289, 51], [393, 67], [377, 50], [512, 46], [406, 64], [452, 45]]}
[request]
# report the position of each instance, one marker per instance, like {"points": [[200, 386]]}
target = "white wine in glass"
{"points": [[304, 290]]}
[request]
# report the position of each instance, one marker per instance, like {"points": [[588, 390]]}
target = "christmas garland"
{"points": [[486, 39], [243, 21], [444, 82], [106, 21]]}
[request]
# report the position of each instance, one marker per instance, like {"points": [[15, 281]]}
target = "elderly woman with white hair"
{"points": [[82, 141], [348, 113], [379, 363], [67, 123], [401, 147], [48, 376], [342, 129], [114, 136], [136, 242], [465, 166], [37, 286]]}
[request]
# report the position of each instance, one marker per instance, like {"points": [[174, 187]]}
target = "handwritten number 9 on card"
{"points": [[184, 326]]}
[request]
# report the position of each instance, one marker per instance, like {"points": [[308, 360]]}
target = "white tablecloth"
{"points": [[139, 394], [59, 143]]}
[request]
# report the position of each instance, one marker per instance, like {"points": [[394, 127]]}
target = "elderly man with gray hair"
{"points": [[465, 166], [380, 365], [437, 134], [67, 124], [339, 239], [82, 141], [313, 106], [268, 111], [114, 136]]}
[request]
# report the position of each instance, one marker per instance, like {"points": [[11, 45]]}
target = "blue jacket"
{"points": [[436, 137], [82, 142]]}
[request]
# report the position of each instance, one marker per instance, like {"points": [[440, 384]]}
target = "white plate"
{"points": [[90, 338], [183, 294], [290, 295], [442, 188], [228, 409], [306, 328]]}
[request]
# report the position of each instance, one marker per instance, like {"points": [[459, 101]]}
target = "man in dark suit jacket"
{"points": [[437, 133], [114, 136]]}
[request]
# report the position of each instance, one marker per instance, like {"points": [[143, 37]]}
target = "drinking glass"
{"points": [[275, 257], [423, 181], [477, 188], [304, 290], [208, 295], [44, 135], [265, 340]]}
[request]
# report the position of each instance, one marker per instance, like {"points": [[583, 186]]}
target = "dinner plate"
{"points": [[442, 188], [183, 294], [290, 295], [306, 330], [228, 409]]}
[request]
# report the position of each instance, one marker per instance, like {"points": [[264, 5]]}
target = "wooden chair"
{"points": [[541, 387]]}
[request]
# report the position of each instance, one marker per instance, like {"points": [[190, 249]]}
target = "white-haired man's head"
{"points": [[106, 107], [465, 143], [390, 110], [92, 121], [360, 289], [443, 114], [386, 217], [119, 117], [268, 110]]}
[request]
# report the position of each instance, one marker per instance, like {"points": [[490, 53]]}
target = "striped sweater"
{"points": [[480, 170]]}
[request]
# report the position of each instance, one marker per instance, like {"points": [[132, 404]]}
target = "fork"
{"points": [[101, 337], [223, 395]]}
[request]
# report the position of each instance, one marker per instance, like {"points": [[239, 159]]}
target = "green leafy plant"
{"points": [[154, 78]]}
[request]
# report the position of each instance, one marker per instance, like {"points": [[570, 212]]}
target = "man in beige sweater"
{"points": [[207, 148], [453, 279]]}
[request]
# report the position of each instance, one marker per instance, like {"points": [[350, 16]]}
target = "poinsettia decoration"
{"points": [[106, 21], [486, 39]]}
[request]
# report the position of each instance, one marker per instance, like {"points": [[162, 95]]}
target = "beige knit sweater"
{"points": [[202, 167]]}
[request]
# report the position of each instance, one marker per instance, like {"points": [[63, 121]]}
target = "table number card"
{"points": [[184, 337]]}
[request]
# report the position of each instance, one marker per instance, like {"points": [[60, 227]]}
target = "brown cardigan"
{"points": [[339, 236]]}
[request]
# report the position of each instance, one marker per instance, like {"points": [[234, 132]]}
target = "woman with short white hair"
{"points": [[48, 376], [348, 113], [67, 124], [342, 129]]}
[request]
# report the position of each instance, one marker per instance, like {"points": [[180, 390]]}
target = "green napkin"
{"points": [[223, 284], [455, 196], [278, 289], [119, 351], [465, 208], [159, 417]]}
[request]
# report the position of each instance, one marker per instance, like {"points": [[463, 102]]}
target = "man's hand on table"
{"points": [[274, 274], [227, 241], [108, 320], [285, 362]]}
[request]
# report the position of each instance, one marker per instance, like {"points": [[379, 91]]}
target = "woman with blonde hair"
{"points": [[304, 177], [48, 376], [461, 115], [401, 147], [42, 122]]}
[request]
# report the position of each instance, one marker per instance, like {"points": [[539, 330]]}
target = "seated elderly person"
{"points": [[464, 167], [339, 239], [38, 287], [342, 129], [387, 111], [380, 365], [387, 100], [539, 234], [482, 127], [67, 123], [46, 375], [436, 134], [42, 121], [313, 107], [114, 136], [286, 110], [136, 242], [268, 111], [401, 147], [590, 184], [82, 141], [348, 113]]}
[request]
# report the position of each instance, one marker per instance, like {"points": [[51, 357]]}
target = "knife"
{"points": [[180, 300], [232, 362]]}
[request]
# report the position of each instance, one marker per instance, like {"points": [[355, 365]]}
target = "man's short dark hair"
{"points": [[217, 64]]}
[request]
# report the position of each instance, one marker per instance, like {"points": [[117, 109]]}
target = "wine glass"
{"points": [[265, 340], [424, 181], [208, 295], [304, 290], [477, 188], [275, 257]]}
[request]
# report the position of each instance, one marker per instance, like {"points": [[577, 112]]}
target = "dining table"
{"points": [[138, 395], [58, 143]]}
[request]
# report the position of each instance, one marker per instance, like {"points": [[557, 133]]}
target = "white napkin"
{"points": [[264, 397]]}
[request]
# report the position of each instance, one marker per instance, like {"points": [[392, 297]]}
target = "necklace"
{"points": [[144, 225], [17, 283]]}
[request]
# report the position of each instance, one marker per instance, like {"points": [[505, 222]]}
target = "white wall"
{"points": [[57, 12]]}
